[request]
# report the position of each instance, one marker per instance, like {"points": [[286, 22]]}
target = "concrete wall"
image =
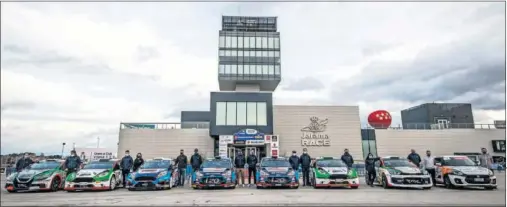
{"points": [[440, 142], [165, 142], [343, 129]]}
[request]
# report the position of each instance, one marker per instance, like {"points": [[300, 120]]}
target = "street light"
{"points": [[63, 147]]}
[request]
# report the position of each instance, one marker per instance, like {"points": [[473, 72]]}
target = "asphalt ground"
{"points": [[243, 196]]}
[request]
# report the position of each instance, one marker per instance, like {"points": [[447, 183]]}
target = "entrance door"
{"points": [[254, 149], [443, 123], [232, 153]]}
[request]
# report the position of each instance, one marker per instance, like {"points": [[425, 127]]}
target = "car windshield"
{"points": [[275, 163], [156, 164], [331, 163], [458, 161], [44, 166], [397, 163], [217, 163], [99, 165]]}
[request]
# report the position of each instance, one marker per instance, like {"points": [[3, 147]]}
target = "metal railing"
{"points": [[426, 126], [150, 125]]}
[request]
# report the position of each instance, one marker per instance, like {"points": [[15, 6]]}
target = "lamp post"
{"points": [[63, 147]]}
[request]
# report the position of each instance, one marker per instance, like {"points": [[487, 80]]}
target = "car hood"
{"points": [[30, 173], [475, 170], [213, 170], [408, 169], [281, 170], [335, 170], [89, 172], [150, 171]]}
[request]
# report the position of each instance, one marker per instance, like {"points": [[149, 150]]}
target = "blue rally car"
{"points": [[155, 174], [215, 173], [276, 172]]}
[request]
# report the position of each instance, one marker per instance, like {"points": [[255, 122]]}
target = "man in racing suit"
{"points": [[251, 160], [126, 165], [72, 163], [294, 162], [24, 162], [196, 160], [181, 161], [347, 158], [239, 163], [306, 162]]}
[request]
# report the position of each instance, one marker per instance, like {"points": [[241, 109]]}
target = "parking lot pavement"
{"points": [[303, 196]]}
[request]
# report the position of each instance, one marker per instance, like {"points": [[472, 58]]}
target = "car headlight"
{"points": [[11, 177], [132, 175], [162, 174], [457, 172], [394, 172], [198, 174], [322, 171], [491, 173], [227, 174], [425, 172], [264, 174], [102, 173], [291, 173]]}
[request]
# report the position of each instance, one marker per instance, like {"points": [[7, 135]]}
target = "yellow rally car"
{"points": [[461, 171]]}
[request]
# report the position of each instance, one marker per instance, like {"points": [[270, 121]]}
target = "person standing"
{"points": [[138, 162], [347, 158], [306, 162], [196, 160], [485, 159], [294, 162], [126, 165], [369, 165], [239, 163], [428, 164], [414, 158], [23, 162], [72, 162], [181, 162], [251, 160]]}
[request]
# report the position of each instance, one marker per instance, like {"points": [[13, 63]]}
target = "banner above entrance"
{"points": [[248, 134]]}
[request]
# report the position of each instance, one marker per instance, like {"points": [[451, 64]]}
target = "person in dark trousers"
{"points": [[347, 158], [306, 162], [72, 162], [251, 160], [138, 162], [414, 158], [294, 162], [24, 162], [369, 165], [126, 165], [196, 160], [181, 162], [428, 163], [239, 163]]}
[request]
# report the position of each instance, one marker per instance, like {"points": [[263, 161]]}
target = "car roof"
{"points": [[328, 158], [449, 156], [275, 158], [160, 158], [393, 158]]}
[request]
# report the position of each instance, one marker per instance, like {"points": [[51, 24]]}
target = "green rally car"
{"points": [[333, 172], [104, 174]]}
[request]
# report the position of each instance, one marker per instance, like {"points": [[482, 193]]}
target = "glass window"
{"points": [[264, 69], [258, 53], [234, 53], [221, 69], [271, 69], [234, 69], [277, 53], [277, 70], [234, 42], [228, 41], [221, 113], [240, 53], [227, 69], [251, 113], [252, 42], [258, 42], [264, 53], [264, 42], [240, 69], [221, 53], [271, 54], [262, 119], [246, 53], [258, 70], [222, 41], [240, 42], [247, 69], [241, 116], [227, 53], [277, 42], [270, 42], [231, 114], [247, 42]]}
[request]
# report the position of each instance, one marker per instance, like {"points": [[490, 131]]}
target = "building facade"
{"points": [[438, 115]]}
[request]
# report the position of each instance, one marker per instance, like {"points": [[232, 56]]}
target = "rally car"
{"points": [[103, 174], [46, 175], [398, 172], [460, 171], [214, 173], [276, 172], [154, 174], [333, 172]]}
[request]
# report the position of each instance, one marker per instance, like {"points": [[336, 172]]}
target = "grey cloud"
{"points": [[15, 49], [304, 84], [146, 53], [377, 48], [17, 105]]}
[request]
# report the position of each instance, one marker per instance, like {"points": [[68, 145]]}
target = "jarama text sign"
{"points": [[314, 134]]}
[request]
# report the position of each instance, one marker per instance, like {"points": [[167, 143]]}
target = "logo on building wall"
{"points": [[313, 134]]}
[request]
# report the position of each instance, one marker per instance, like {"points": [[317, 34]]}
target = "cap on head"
{"points": [[127, 151]]}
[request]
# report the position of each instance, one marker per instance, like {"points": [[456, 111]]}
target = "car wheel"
{"points": [[112, 183], [447, 182], [259, 187], [170, 184], [11, 191], [55, 184], [384, 182]]}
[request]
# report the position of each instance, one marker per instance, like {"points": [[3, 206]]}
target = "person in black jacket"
{"points": [[239, 163], [138, 162], [181, 162], [126, 165], [294, 161], [196, 160], [414, 158], [24, 162], [347, 158], [369, 165], [306, 162], [251, 160], [72, 162]]}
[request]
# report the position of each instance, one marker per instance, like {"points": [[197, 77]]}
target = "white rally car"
{"points": [[398, 172], [460, 171]]}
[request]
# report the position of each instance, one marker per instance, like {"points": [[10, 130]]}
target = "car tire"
{"points": [[11, 191], [112, 183], [259, 187], [447, 183], [55, 184], [313, 182], [384, 182]]}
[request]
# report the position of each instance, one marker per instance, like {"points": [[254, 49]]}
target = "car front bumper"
{"points": [[461, 181], [263, 182], [337, 182], [399, 181], [148, 185], [85, 186], [35, 185]]}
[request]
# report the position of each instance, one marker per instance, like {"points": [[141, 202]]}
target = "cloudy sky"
{"points": [[71, 72]]}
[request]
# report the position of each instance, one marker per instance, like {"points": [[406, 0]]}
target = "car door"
{"points": [[439, 176]]}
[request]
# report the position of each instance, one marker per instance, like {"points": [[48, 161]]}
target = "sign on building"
{"points": [[89, 154], [275, 145], [223, 141], [314, 134]]}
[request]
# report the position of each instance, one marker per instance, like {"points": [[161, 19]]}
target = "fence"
{"points": [[441, 126]]}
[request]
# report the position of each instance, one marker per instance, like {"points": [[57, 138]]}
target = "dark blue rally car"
{"points": [[215, 173], [276, 172]]}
